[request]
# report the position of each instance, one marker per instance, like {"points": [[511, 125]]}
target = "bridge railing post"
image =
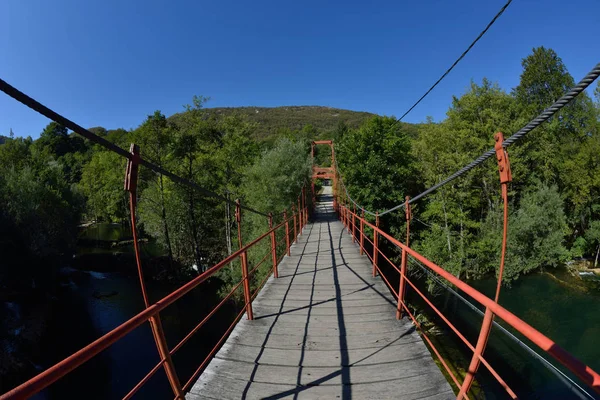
{"points": [[354, 225], [244, 262], [488, 318], [287, 233], [299, 218], [131, 176], [402, 286], [362, 233], [375, 244], [295, 230], [302, 205], [305, 199], [348, 215], [273, 247]]}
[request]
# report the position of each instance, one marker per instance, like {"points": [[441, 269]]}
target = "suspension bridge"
{"points": [[327, 321]]}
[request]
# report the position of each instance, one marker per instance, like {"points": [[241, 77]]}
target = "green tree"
{"points": [[274, 181], [536, 233], [592, 236], [16, 153], [545, 79], [38, 223], [54, 140], [457, 212], [154, 137], [377, 165], [235, 153], [102, 184], [272, 184]]}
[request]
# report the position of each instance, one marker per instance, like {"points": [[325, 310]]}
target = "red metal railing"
{"points": [[349, 218], [585, 373], [152, 311]]}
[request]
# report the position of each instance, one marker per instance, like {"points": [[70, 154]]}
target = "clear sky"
{"points": [[112, 62]]}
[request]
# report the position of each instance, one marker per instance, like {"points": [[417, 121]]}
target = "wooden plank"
{"points": [[422, 388], [330, 308], [324, 342], [283, 375]]}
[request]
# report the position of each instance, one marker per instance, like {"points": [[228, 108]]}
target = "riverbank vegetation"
{"points": [[259, 155], [59, 181], [554, 196]]}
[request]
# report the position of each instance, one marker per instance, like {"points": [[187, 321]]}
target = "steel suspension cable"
{"points": [[489, 25], [48, 113], [587, 80]]}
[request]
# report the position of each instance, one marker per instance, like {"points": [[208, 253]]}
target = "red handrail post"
{"points": [[354, 225], [348, 215], [343, 211], [287, 233], [362, 234], [302, 209], [244, 262], [295, 231], [131, 176], [299, 218], [402, 287], [334, 190], [305, 198], [488, 318], [375, 244], [273, 247]]}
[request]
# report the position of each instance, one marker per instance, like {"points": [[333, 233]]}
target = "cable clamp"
{"points": [[502, 158]]}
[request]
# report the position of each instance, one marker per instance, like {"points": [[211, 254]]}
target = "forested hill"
{"points": [[310, 122], [273, 120]]}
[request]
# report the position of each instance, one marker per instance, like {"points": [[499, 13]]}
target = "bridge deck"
{"points": [[324, 329]]}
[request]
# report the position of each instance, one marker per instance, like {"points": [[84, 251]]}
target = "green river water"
{"points": [[562, 307]]}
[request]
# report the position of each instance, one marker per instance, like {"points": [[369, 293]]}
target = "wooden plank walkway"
{"points": [[324, 329]]}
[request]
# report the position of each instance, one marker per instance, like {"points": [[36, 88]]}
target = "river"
{"points": [[559, 305], [91, 304]]}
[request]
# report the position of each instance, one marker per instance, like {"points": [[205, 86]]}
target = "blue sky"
{"points": [[110, 63]]}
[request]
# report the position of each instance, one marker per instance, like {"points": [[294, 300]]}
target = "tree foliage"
{"points": [[554, 198], [260, 156]]}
